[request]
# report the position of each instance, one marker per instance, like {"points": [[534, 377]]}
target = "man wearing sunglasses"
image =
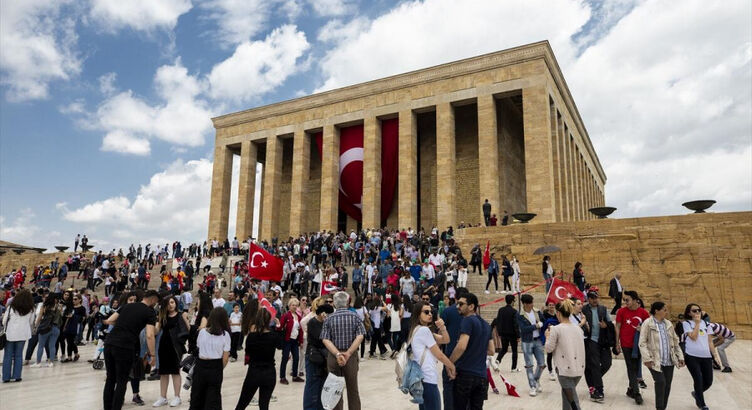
{"points": [[469, 356]]}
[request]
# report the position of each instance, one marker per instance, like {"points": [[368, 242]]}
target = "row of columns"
{"points": [[577, 189], [557, 186]]}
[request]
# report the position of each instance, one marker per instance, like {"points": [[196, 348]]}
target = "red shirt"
{"points": [[630, 321]]}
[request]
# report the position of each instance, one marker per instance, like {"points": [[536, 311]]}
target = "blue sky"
{"points": [[105, 106]]}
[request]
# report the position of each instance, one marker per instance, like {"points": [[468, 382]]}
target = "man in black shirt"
{"points": [[122, 345], [508, 330]]}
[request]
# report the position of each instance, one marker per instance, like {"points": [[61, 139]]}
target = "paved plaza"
{"points": [[78, 386]]}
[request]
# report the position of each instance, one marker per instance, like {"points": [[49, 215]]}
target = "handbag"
{"points": [[3, 337], [331, 393]]}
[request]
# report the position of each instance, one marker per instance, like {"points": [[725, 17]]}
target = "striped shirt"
{"points": [[342, 327], [721, 330], [665, 349]]}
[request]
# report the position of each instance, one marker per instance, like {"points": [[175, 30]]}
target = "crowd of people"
{"points": [[342, 294]]}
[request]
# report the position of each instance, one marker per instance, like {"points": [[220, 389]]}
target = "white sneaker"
{"points": [[36, 365], [503, 291], [497, 292], [533, 392], [487, 292], [516, 370], [539, 388], [551, 376], [161, 402], [50, 364], [175, 402]]}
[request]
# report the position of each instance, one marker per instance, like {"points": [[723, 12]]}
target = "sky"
{"points": [[105, 105]]}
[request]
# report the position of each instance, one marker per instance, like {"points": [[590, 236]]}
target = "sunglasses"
{"points": [[329, 302], [461, 303], [695, 310], [427, 312]]}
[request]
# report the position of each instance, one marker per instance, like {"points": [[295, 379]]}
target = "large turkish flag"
{"points": [[351, 167], [262, 265]]}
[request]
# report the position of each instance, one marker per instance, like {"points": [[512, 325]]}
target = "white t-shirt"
{"points": [[699, 347], [423, 341], [235, 317], [212, 346], [295, 327], [531, 316], [218, 302], [376, 317]]}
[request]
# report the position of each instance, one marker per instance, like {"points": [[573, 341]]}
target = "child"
{"points": [[236, 318]]}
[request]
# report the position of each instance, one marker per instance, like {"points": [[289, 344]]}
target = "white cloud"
{"points": [[22, 230], [37, 47], [183, 118], [173, 205], [336, 31], [668, 105], [107, 83], [120, 141], [238, 20], [477, 27], [258, 67], [333, 7], [139, 15]]}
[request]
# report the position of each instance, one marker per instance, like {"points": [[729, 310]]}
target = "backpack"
{"points": [[403, 359]]}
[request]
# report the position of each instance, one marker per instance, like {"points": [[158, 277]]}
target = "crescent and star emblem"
{"points": [[263, 262], [352, 155], [556, 293]]}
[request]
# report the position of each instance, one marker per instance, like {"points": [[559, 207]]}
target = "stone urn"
{"points": [[699, 206], [602, 212], [18, 251], [86, 247], [524, 217], [61, 248]]}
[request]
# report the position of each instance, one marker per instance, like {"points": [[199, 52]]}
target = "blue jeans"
{"points": [[447, 386], [47, 341], [530, 350], [13, 356], [431, 397], [315, 376], [289, 346]]}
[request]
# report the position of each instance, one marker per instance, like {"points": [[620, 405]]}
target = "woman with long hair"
{"points": [[73, 317], [18, 322], [260, 346], [699, 351], [213, 354], [66, 302], [660, 351], [395, 312], [564, 342], [315, 357], [48, 329], [425, 346], [174, 327]]}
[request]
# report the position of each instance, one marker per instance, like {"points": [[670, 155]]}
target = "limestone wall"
{"points": [[699, 258]]}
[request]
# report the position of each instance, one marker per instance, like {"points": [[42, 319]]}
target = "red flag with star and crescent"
{"points": [[262, 265], [561, 290]]}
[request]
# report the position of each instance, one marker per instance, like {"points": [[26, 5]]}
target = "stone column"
{"points": [[329, 179], [407, 176], [556, 161], [446, 158], [371, 200], [246, 190], [572, 179], [578, 182], [580, 169], [488, 154], [538, 162], [219, 207], [272, 182], [301, 165], [564, 165]]}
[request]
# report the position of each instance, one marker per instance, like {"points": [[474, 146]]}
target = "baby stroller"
{"points": [[98, 361]]}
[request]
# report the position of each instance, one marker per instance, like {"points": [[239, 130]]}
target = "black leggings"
{"points": [[507, 285], [549, 357], [263, 379], [70, 339], [701, 369], [495, 279], [206, 390]]}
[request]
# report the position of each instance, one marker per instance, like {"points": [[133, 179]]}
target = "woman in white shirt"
{"points": [[698, 352], [236, 320], [213, 354], [564, 342], [395, 312], [462, 277], [515, 275], [425, 351], [17, 322]]}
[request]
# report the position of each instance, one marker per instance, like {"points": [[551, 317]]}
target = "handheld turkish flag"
{"points": [[266, 304], [328, 287], [561, 290], [487, 255], [511, 390], [262, 265]]}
